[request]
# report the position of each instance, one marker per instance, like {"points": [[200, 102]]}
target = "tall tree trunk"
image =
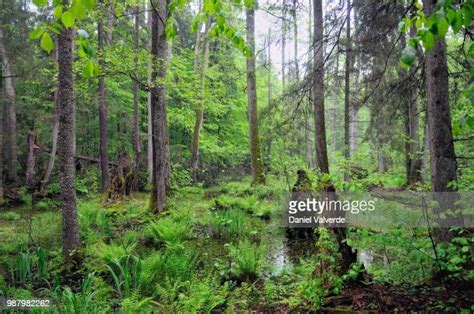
{"points": [[443, 157], [10, 122], [136, 125], [200, 110], [70, 227], [159, 51], [309, 127], [295, 40], [255, 154], [103, 127], [318, 88], [348, 256], [1, 147], [283, 46], [149, 116], [30, 158], [269, 64], [54, 135], [347, 100]]}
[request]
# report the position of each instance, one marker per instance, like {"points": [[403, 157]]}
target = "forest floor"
{"points": [[221, 249]]}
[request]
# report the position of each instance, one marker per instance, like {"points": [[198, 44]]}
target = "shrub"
{"points": [[169, 232], [228, 224], [10, 216]]}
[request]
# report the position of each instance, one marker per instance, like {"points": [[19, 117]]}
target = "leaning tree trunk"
{"points": [[103, 128], [348, 256], [159, 51], [255, 153], [10, 122], [283, 45], [347, 101], [70, 227], [443, 157], [136, 126], [200, 109]]}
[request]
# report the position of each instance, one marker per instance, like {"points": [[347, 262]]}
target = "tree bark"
{"points": [[348, 256], [30, 158], [295, 40], [136, 125], [443, 157], [149, 116], [283, 45], [1, 147], [200, 110], [318, 88], [70, 227], [347, 101], [10, 122], [255, 153], [103, 127], [159, 51]]}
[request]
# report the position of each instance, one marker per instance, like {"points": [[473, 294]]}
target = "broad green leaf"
{"points": [[457, 25], [429, 40], [46, 42], [88, 70], [88, 4], [443, 27], [36, 34], [58, 11], [78, 10], [68, 19]]}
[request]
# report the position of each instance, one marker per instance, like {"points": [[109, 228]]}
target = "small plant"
{"points": [[126, 274], [169, 232], [247, 260], [228, 224], [10, 216], [79, 303]]}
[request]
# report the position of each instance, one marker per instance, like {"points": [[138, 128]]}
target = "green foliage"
{"points": [[168, 231], [10, 216], [228, 224], [125, 273], [247, 260]]}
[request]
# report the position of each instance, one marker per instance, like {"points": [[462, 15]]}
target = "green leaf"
{"points": [[46, 42], [408, 55], [88, 4], [443, 27], [68, 19], [88, 70], [429, 40], [40, 3], [467, 14], [457, 25], [78, 10], [36, 34], [58, 11]]}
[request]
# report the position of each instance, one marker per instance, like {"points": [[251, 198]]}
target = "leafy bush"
{"points": [[126, 274]]}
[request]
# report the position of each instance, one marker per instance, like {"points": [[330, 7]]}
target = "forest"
{"points": [[236, 156]]}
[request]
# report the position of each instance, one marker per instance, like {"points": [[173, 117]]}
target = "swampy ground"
{"points": [[216, 249]]}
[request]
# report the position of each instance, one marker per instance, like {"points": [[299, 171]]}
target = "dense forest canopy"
{"points": [[149, 149]]}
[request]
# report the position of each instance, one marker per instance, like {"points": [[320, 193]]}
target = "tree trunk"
{"points": [[30, 158], [255, 154], [159, 51], [348, 256], [309, 127], [318, 88], [1, 148], [295, 40], [443, 157], [149, 117], [103, 145], [200, 109], [136, 125], [347, 101], [70, 227], [54, 135], [10, 122], [283, 45]]}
